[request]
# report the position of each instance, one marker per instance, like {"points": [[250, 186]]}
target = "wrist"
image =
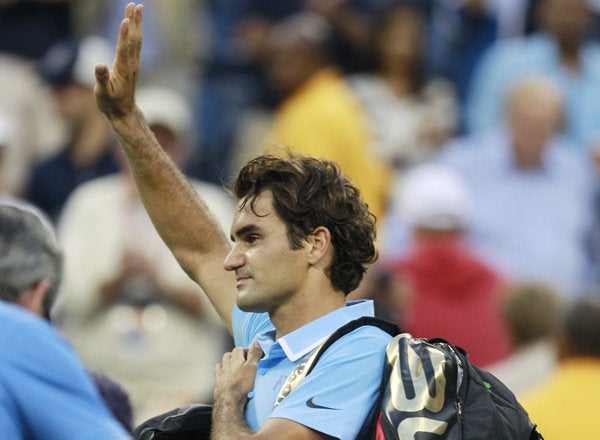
{"points": [[127, 121], [228, 418]]}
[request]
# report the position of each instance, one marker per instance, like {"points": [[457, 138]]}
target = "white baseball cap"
{"points": [[434, 196]]}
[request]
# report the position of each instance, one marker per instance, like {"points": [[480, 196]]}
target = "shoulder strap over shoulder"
{"points": [[306, 365], [386, 326]]}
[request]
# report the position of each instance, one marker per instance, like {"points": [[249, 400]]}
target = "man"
{"points": [[530, 314], [562, 48], [45, 393], [301, 240], [447, 289], [531, 190], [87, 152], [564, 406], [316, 95]]}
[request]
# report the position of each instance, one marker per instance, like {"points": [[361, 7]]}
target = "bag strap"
{"points": [[306, 365]]}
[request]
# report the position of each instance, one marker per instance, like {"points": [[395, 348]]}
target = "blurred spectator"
{"points": [[69, 68], [29, 28], [563, 49], [175, 36], [36, 130], [460, 32], [531, 191], [233, 78], [319, 114], [449, 292], [411, 115], [7, 196], [565, 406], [45, 393], [530, 312], [116, 398], [128, 307]]}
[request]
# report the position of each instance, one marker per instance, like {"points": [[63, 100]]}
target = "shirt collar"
{"points": [[308, 337]]}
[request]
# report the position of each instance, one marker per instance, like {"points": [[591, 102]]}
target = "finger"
{"points": [[226, 357], [123, 43], [121, 54], [238, 353], [255, 353], [102, 75], [138, 31], [129, 9]]}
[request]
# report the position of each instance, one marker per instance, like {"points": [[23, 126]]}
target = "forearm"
{"points": [[228, 420], [181, 218]]}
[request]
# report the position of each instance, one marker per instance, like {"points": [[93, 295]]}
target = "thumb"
{"points": [[102, 74], [255, 353]]}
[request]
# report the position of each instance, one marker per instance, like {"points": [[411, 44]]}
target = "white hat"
{"points": [[163, 106], [434, 196]]}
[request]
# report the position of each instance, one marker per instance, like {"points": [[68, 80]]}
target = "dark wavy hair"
{"points": [[308, 193]]}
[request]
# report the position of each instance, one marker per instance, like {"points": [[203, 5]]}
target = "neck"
{"points": [[569, 54], [401, 86], [299, 312]]}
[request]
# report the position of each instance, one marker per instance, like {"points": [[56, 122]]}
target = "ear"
{"points": [[318, 244], [33, 299]]}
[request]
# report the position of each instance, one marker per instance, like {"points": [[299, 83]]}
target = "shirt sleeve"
{"points": [[53, 394], [337, 396]]}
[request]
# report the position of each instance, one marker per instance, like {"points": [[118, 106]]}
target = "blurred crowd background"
{"points": [[472, 128]]}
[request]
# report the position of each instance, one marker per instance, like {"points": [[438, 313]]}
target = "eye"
{"points": [[251, 238]]}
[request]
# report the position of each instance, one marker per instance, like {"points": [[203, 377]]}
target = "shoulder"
{"points": [[28, 335], [364, 344], [14, 319], [508, 47]]}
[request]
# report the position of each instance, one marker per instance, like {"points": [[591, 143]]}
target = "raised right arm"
{"points": [[181, 218]]}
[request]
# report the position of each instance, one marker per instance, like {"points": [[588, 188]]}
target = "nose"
{"points": [[234, 259]]}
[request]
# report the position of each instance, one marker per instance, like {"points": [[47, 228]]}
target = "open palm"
{"points": [[115, 88]]}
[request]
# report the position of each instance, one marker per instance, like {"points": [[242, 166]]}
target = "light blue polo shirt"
{"points": [[335, 398]]}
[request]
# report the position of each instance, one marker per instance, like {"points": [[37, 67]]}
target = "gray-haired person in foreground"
{"points": [[45, 392]]}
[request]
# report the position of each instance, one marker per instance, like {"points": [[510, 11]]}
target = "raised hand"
{"points": [[115, 88]]}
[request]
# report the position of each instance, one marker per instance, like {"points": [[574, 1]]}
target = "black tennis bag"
{"points": [[431, 391], [190, 422]]}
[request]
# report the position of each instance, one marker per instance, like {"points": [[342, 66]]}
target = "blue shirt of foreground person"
{"points": [[45, 393]]}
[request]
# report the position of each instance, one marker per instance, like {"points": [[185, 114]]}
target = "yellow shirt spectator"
{"points": [[566, 407], [323, 119]]}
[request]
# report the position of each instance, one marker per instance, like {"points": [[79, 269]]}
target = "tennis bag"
{"points": [[189, 422], [430, 391]]}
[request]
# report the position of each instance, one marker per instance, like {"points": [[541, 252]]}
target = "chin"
{"points": [[246, 304]]}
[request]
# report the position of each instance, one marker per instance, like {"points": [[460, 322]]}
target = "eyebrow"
{"points": [[244, 230]]}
